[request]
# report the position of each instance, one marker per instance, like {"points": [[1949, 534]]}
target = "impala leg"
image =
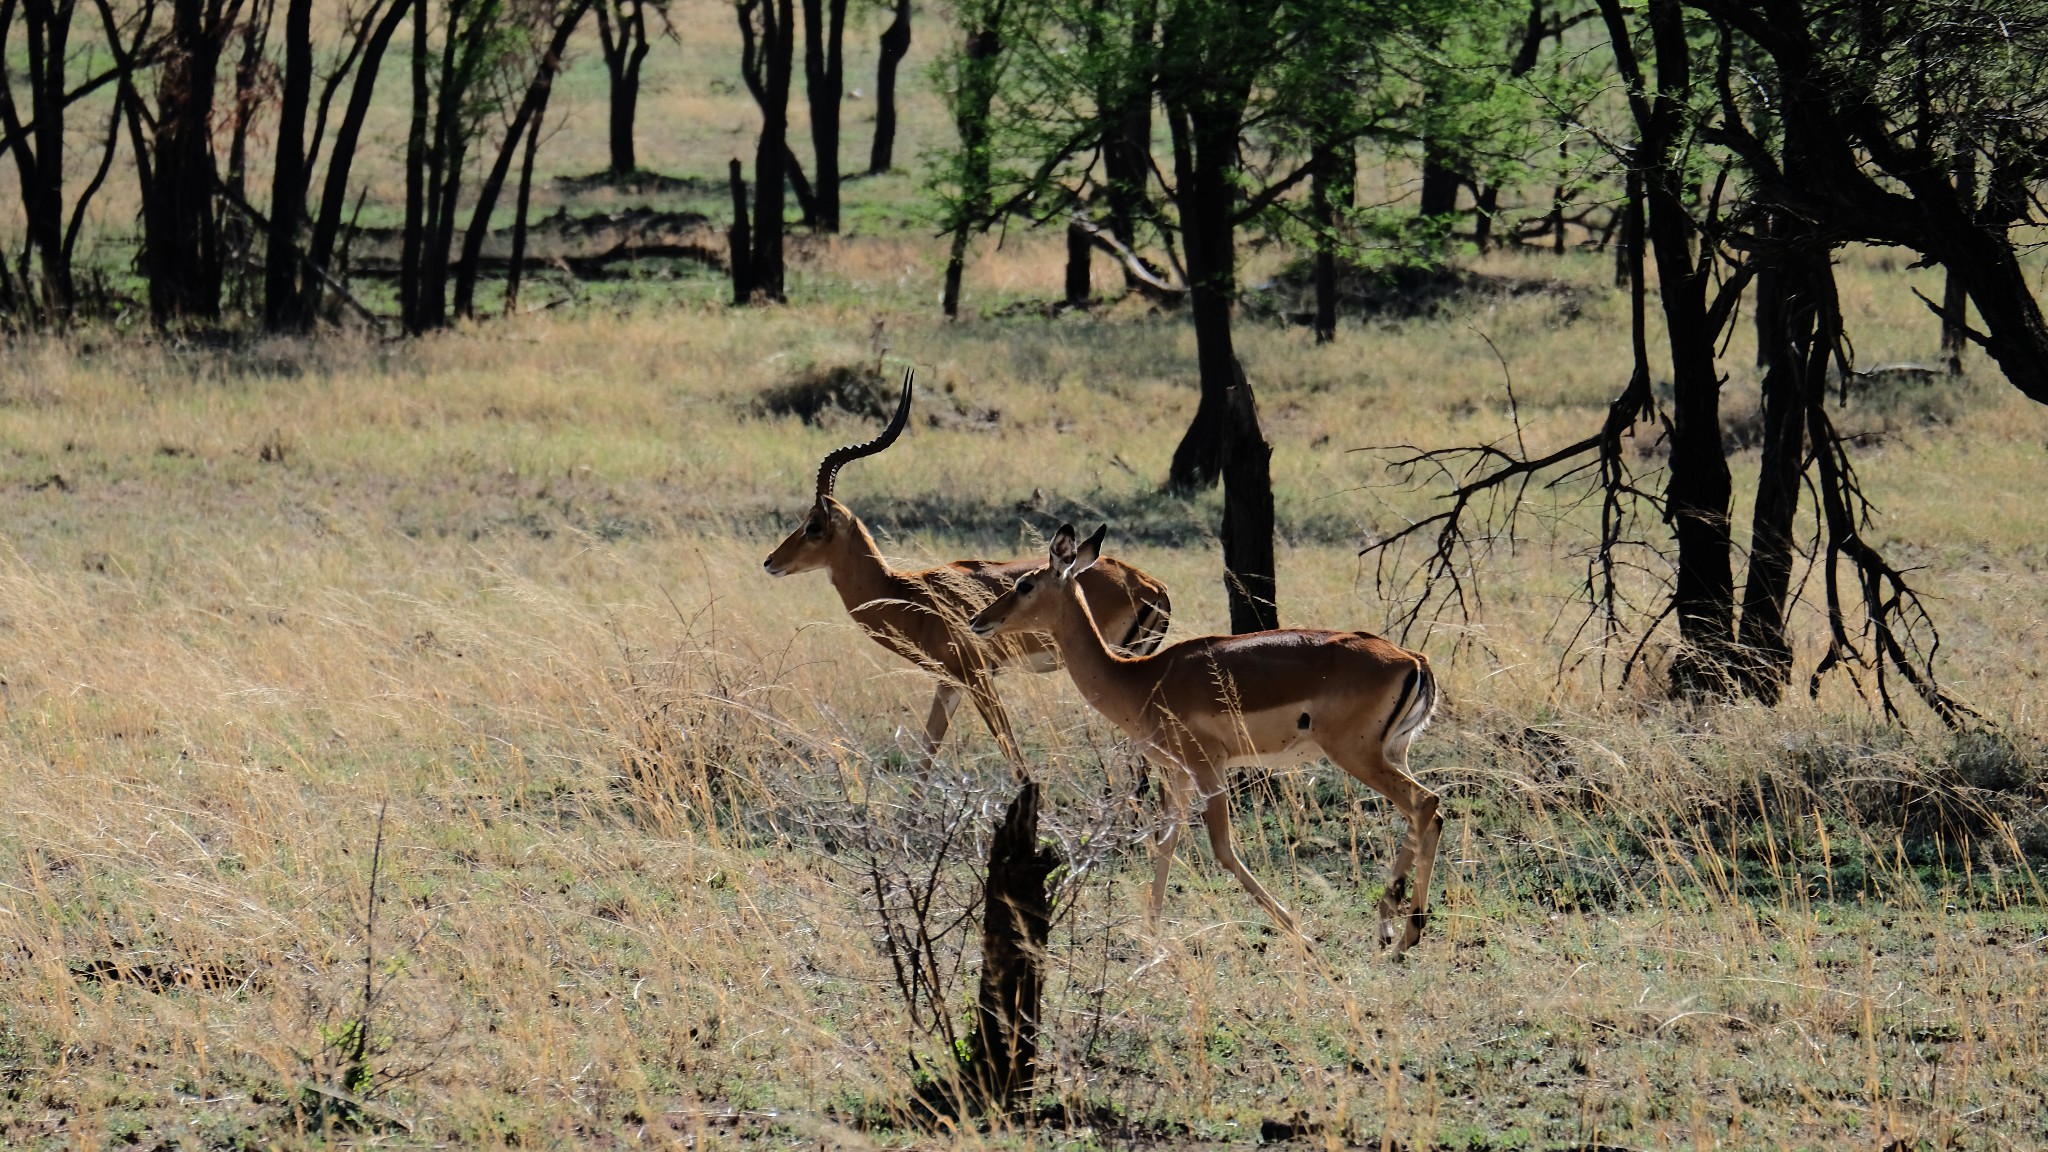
{"points": [[1217, 816], [983, 692], [944, 701], [1404, 910], [1173, 784]]}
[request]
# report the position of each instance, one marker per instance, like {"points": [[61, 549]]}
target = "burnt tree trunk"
{"points": [[1002, 1060], [282, 308], [895, 46], [740, 240], [824, 86]]}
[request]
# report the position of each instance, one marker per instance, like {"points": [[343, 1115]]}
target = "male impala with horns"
{"points": [[922, 615]]}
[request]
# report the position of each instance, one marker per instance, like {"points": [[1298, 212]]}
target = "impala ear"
{"points": [[1063, 547], [1088, 553]]}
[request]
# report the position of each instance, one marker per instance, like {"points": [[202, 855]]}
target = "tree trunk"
{"points": [[740, 241], [1079, 246], [445, 155], [1322, 208], [39, 150], [1698, 489], [1204, 154], [976, 97], [622, 36], [895, 46], [413, 248], [1439, 182], [824, 76], [341, 156], [1800, 311], [1002, 1060], [530, 107], [777, 53], [181, 234], [517, 266], [1126, 109], [1247, 536], [282, 308]]}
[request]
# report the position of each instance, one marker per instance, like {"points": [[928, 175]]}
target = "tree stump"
{"points": [[1016, 919]]}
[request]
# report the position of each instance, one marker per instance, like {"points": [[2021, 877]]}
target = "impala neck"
{"points": [[1102, 676], [859, 572]]}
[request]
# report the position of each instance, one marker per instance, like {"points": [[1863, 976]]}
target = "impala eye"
{"points": [[1023, 587], [814, 529]]}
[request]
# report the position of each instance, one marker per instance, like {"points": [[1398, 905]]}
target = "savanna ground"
{"points": [[503, 586]]}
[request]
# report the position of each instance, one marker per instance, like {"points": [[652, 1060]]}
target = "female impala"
{"points": [[1214, 703], [922, 615]]}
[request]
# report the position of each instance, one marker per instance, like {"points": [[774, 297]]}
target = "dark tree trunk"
{"points": [[824, 85], [181, 234], [341, 155], [1002, 1060], [1127, 142], [976, 98], [1330, 186], [1247, 536], [516, 268], [282, 308], [39, 151], [1955, 293], [445, 154], [895, 46], [1485, 206], [414, 244], [1079, 245], [768, 51], [1439, 182], [1699, 489], [1801, 314], [238, 231], [622, 35], [530, 107], [1204, 154], [740, 240]]}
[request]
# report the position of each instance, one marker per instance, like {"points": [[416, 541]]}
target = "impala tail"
{"points": [[1412, 709]]}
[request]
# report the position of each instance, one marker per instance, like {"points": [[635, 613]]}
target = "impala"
{"points": [[922, 615], [1207, 705]]}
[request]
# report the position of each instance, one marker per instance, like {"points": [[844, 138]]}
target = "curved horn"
{"points": [[828, 471]]}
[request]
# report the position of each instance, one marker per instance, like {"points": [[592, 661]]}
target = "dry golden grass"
{"points": [[504, 586]]}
